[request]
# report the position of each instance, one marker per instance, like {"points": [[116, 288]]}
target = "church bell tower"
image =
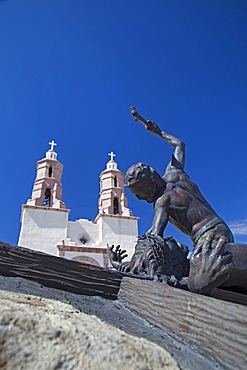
{"points": [[47, 188], [117, 225], [113, 200], [44, 217]]}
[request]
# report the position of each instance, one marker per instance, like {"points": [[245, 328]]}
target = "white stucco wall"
{"points": [[119, 230], [83, 227], [43, 229]]}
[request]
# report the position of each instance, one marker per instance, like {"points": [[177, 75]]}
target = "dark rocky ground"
{"points": [[45, 328]]}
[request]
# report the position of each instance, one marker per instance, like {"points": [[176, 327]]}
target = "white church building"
{"points": [[45, 224]]}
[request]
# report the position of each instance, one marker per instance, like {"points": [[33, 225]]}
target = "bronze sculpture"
{"points": [[162, 259], [216, 259]]}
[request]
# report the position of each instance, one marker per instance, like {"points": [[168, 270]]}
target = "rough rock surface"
{"points": [[45, 328], [38, 333]]}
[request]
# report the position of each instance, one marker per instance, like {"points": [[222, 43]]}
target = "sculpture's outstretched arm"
{"points": [[179, 152]]}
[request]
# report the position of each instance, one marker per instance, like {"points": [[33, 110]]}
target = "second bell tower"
{"points": [[113, 200]]}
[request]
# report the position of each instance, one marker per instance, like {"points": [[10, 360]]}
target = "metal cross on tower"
{"points": [[112, 155], [52, 144]]}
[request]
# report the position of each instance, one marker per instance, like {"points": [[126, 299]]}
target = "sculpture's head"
{"points": [[143, 181]]}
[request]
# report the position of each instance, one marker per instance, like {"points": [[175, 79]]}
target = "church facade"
{"points": [[45, 224]]}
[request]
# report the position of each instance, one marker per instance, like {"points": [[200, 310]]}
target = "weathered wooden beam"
{"points": [[73, 276], [230, 296], [59, 273], [216, 328]]}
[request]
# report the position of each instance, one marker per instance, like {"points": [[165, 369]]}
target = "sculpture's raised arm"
{"points": [[179, 152], [216, 260]]}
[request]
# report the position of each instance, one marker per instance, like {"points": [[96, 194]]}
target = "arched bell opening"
{"points": [[47, 198], [115, 206], [50, 171]]}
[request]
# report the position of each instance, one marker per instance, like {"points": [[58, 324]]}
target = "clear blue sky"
{"points": [[70, 70]]}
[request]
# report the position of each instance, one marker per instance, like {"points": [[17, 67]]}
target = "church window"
{"points": [[84, 238], [115, 206], [115, 181], [47, 198], [50, 171]]}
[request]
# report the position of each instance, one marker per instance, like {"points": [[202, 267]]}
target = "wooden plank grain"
{"points": [[59, 273], [214, 327]]}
